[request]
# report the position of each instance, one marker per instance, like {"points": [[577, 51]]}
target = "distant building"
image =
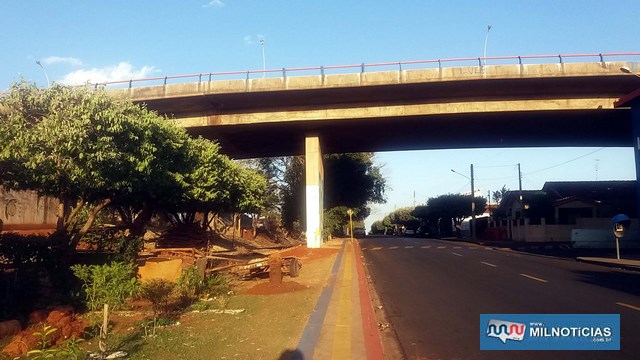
{"points": [[560, 207]]}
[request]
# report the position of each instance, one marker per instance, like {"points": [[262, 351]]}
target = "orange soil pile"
{"points": [[61, 318], [266, 288], [309, 254]]}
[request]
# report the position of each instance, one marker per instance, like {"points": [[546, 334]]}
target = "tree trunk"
{"points": [[75, 239], [141, 220]]}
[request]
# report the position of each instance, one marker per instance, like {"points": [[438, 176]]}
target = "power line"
{"points": [[566, 162], [495, 166]]}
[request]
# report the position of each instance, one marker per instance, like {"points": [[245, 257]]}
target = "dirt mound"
{"points": [[267, 288], [61, 318], [305, 253]]}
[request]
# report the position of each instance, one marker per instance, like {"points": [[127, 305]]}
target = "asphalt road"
{"points": [[434, 291]]}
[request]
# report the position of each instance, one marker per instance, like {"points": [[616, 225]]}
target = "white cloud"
{"points": [[121, 71], [252, 39], [214, 3], [62, 60]]}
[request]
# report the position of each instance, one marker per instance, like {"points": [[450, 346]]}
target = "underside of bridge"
{"points": [[602, 127], [530, 112]]}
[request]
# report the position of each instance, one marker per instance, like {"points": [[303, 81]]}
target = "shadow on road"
{"points": [[620, 281]]}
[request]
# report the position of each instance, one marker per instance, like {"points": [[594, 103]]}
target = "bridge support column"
{"points": [[314, 191], [635, 120]]}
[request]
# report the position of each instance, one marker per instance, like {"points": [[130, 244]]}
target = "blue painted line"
{"points": [[311, 332]]}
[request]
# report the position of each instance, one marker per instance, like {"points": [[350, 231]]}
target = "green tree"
{"points": [[87, 149], [351, 181], [402, 217], [498, 195], [293, 193], [377, 227], [454, 206]]}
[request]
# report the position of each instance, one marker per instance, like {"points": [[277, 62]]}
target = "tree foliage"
{"points": [[452, 206], [402, 217], [91, 151], [498, 195], [351, 181]]}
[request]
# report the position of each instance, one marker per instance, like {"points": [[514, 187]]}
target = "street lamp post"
{"points": [[473, 203], [626, 70], [484, 53], [264, 59], [45, 72], [350, 212]]}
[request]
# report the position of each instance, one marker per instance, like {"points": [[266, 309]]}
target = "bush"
{"points": [[192, 284], [37, 274], [109, 284], [158, 292]]}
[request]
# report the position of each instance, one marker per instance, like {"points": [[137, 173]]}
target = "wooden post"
{"points": [[275, 269], [103, 331]]}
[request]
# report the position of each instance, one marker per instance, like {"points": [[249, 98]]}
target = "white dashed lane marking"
{"points": [[488, 264], [533, 278]]}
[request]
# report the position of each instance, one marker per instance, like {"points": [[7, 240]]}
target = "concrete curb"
{"points": [[372, 339], [611, 263]]}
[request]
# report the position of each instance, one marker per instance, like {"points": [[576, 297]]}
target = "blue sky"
{"points": [[78, 41]]}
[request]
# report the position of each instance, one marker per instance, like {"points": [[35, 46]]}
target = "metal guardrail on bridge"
{"points": [[363, 67], [398, 65]]}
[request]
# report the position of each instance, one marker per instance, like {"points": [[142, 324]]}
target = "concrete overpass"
{"points": [[561, 104]]}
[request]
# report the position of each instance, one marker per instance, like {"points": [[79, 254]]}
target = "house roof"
{"points": [[620, 195], [590, 190]]}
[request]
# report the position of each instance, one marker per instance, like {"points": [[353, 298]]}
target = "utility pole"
{"points": [[520, 182], [473, 208]]}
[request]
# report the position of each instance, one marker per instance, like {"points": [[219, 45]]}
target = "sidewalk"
{"points": [[343, 325], [619, 263]]}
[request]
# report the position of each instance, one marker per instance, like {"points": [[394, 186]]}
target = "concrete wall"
{"points": [[596, 230], [25, 210]]}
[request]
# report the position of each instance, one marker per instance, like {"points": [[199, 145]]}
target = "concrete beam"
{"points": [[372, 112], [314, 191]]}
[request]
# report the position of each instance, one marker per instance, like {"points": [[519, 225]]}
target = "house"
{"points": [[560, 208]]}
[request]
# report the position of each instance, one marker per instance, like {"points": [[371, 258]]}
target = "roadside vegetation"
{"points": [[115, 168], [435, 218]]}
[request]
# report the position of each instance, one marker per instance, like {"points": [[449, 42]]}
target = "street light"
{"points": [[626, 70], [473, 200], [45, 72], [350, 212], [264, 61], [484, 53]]}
